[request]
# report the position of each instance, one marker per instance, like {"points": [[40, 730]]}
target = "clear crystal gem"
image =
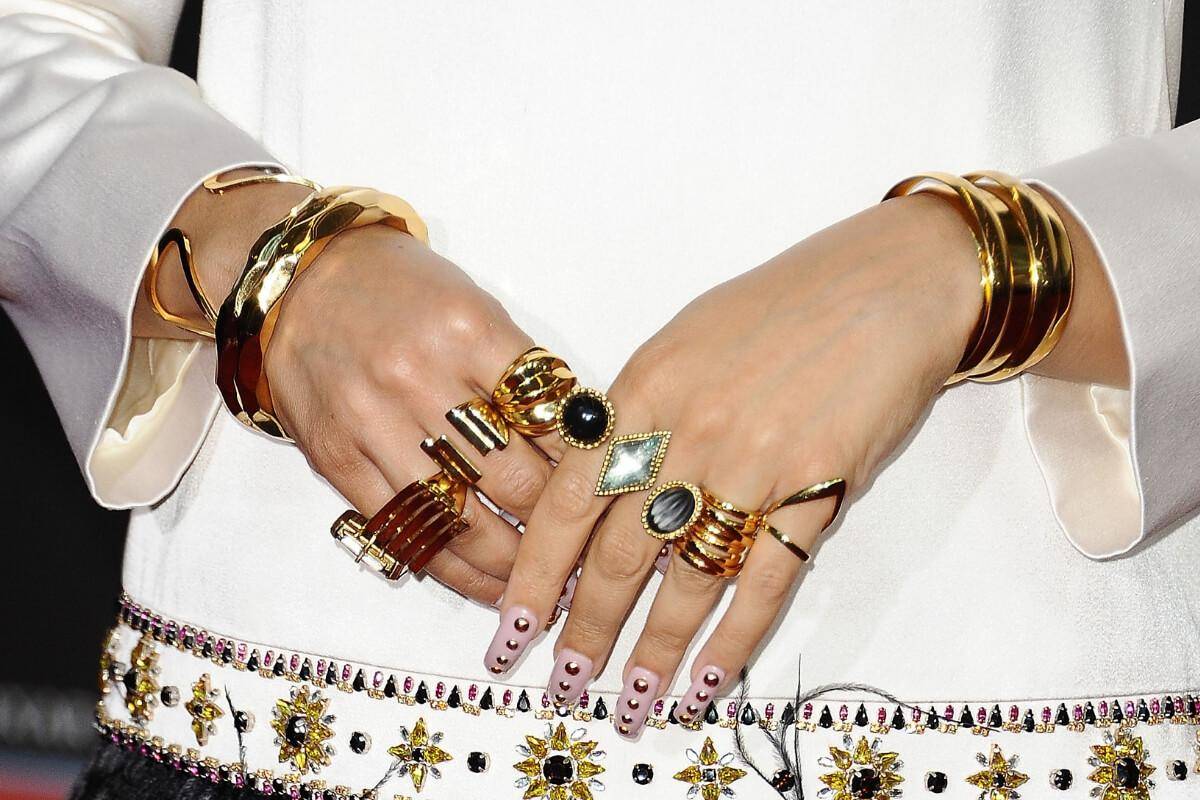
{"points": [[632, 463]]}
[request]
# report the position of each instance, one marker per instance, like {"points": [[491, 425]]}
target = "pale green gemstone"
{"points": [[632, 464]]}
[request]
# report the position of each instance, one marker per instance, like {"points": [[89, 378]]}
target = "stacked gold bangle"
{"points": [[282, 253], [1026, 269]]}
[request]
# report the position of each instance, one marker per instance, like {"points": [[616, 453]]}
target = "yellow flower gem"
{"points": [[302, 726], [141, 681], [861, 771], [1121, 769], [419, 754], [999, 779], [709, 774], [559, 766], [203, 711]]}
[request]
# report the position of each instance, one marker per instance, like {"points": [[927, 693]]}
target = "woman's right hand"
{"points": [[374, 344]]}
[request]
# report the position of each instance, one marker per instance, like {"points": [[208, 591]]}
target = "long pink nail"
{"points": [[518, 627], [700, 693], [570, 677], [637, 695]]}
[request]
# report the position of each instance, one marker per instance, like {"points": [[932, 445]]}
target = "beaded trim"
{"points": [[508, 701]]}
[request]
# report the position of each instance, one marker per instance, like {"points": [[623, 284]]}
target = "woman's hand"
{"points": [[811, 367], [373, 345]]}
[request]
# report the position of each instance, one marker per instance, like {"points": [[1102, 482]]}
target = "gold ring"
{"points": [[480, 424], [531, 390], [585, 418], [416, 524], [718, 540], [835, 488]]}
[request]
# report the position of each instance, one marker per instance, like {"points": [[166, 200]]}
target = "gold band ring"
{"points": [[718, 539], [416, 524]]}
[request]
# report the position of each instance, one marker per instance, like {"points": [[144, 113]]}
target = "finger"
{"points": [[618, 560], [554, 537], [513, 478], [765, 586], [490, 543], [685, 599], [449, 569], [365, 487]]}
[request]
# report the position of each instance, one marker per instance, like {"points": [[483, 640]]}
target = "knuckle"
{"points": [[394, 369], [773, 584], [521, 484], [765, 440], [691, 581], [708, 419], [335, 458], [466, 320], [587, 632], [619, 556], [666, 643], [570, 495]]}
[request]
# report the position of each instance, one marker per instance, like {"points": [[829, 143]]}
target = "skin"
{"points": [[372, 346], [841, 343]]}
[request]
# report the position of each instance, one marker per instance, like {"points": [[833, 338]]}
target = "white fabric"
{"points": [[623, 159]]}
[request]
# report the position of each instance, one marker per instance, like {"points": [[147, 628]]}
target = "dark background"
{"points": [[61, 566]]}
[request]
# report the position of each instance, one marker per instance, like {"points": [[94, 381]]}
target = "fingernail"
{"points": [[700, 694], [517, 628], [664, 559], [570, 677], [637, 695], [568, 592]]}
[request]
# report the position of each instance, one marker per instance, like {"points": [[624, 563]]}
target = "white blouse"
{"points": [[703, 140]]}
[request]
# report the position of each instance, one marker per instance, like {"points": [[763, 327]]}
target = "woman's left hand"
{"points": [[810, 367]]}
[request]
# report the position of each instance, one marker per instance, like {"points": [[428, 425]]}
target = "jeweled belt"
{"points": [[299, 724]]}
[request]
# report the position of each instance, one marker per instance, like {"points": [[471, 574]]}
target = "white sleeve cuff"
{"points": [[160, 419], [1122, 465]]}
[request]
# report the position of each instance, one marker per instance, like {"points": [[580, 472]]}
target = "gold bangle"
{"points": [[282, 253], [1050, 267], [979, 212], [176, 237]]}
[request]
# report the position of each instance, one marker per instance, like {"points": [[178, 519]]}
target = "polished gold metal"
{"points": [[835, 488], [480, 424], [608, 428], [282, 253], [175, 237], [977, 209], [1048, 270], [717, 542], [531, 391], [697, 509], [1027, 269], [416, 524]]}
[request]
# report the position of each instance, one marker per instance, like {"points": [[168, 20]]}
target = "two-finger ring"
{"points": [[416, 524]]}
